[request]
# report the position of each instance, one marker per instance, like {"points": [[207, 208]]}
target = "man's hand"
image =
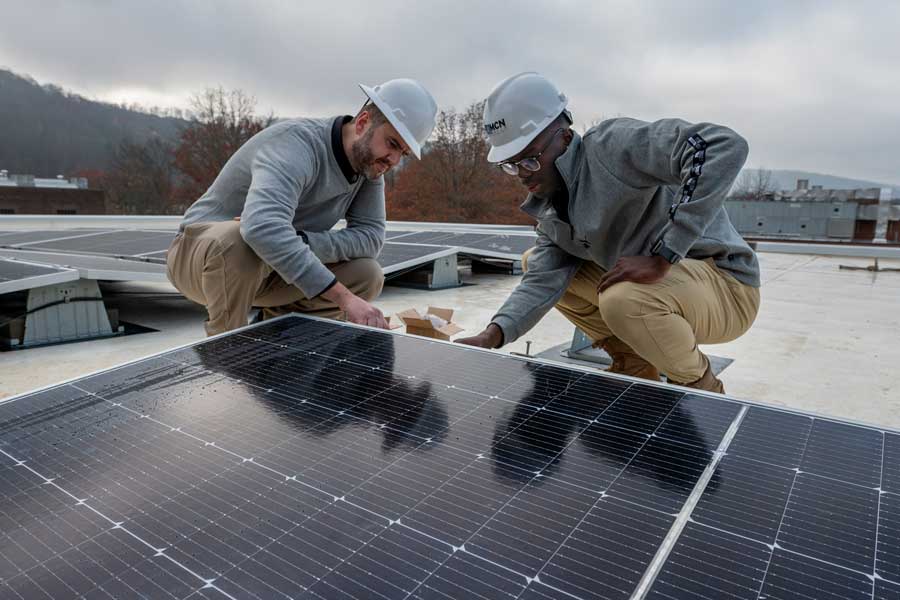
{"points": [[491, 337], [639, 269], [355, 308]]}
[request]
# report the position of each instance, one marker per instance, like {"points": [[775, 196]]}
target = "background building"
{"points": [[816, 213], [30, 195]]}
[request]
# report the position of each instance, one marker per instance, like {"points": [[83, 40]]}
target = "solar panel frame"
{"points": [[41, 275], [538, 589]]}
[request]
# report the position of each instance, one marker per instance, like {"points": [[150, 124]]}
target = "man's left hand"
{"points": [[639, 269]]}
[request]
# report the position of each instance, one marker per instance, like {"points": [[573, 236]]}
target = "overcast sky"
{"points": [[812, 85]]}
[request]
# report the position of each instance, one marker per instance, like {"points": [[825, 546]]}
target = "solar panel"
{"points": [[13, 238], [95, 267], [427, 237], [115, 243], [389, 235], [397, 257], [307, 458], [492, 245], [510, 244], [16, 275]]}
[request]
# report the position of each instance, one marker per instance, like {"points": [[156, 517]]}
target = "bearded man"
{"points": [[261, 235]]}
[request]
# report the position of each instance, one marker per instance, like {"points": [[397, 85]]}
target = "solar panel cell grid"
{"points": [[304, 458], [724, 505], [706, 563], [890, 478]]}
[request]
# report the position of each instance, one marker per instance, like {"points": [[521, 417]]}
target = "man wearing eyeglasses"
{"points": [[634, 245]]}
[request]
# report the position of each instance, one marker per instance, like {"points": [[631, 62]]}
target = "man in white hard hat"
{"points": [[261, 235], [634, 245]]}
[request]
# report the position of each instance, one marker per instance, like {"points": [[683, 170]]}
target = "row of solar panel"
{"points": [[152, 245], [304, 458], [26, 256]]}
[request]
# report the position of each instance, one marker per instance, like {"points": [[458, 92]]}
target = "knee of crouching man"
{"points": [[372, 278]]}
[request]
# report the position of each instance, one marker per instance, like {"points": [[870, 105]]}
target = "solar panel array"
{"points": [[305, 458], [76, 247], [133, 244]]}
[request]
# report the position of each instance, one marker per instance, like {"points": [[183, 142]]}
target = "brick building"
{"points": [[30, 195]]}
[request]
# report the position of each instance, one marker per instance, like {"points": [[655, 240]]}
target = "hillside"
{"points": [[48, 131]]}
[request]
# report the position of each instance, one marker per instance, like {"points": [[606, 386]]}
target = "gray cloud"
{"points": [[812, 85]]}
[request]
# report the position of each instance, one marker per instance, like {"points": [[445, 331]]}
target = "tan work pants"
{"points": [[211, 264], [696, 303]]}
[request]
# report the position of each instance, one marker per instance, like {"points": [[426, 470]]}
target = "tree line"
{"points": [[453, 182]]}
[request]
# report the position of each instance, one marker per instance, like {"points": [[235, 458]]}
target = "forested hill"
{"points": [[47, 131]]}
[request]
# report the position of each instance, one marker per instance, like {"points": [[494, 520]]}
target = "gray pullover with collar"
{"points": [[286, 179], [630, 184]]}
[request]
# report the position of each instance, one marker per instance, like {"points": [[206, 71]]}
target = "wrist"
{"points": [[661, 263], [494, 335], [338, 294]]}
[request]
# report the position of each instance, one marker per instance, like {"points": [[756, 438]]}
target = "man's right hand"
{"points": [[491, 337], [361, 312], [355, 308]]}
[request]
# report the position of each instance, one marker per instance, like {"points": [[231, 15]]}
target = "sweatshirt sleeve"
{"points": [[548, 273], [281, 170], [703, 159], [363, 236]]}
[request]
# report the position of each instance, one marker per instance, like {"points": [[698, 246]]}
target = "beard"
{"points": [[363, 159]]}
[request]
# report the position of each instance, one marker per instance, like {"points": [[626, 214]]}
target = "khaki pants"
{"points": [[211, 264], [696, 303]]}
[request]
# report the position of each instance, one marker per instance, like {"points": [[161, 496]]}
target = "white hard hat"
{"points": [[408, 106], [517, 110]]}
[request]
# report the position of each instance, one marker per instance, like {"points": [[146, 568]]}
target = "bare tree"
{"points": [[142, 178], [221, 122], [754, 184], [454, 181]]}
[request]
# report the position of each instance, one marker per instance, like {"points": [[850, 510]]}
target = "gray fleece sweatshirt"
{"points": [[630, 184], [287, 179]]}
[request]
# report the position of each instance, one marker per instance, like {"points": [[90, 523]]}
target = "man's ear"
{"points": [[362, 121]]}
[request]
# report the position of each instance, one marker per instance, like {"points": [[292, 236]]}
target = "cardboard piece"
{"points": [[419, 324]]}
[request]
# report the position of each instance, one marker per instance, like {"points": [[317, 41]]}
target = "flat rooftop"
{"points": [[825, 341]]}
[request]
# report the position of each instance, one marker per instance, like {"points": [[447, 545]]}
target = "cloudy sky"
{"points": [[812, 85]]}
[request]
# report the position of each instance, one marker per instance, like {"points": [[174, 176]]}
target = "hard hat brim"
{"points": [[393, 120], [498, 154]]}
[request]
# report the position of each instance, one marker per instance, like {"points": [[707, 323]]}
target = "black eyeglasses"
{"points": [[530, 163]]}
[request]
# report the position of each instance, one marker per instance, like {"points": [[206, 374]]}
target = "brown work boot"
{"points": [[626, 361], [709, 382]]}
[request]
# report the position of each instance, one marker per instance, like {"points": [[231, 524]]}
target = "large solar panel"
{"points": [[305, 458], [16, 275], [399, 257]]}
